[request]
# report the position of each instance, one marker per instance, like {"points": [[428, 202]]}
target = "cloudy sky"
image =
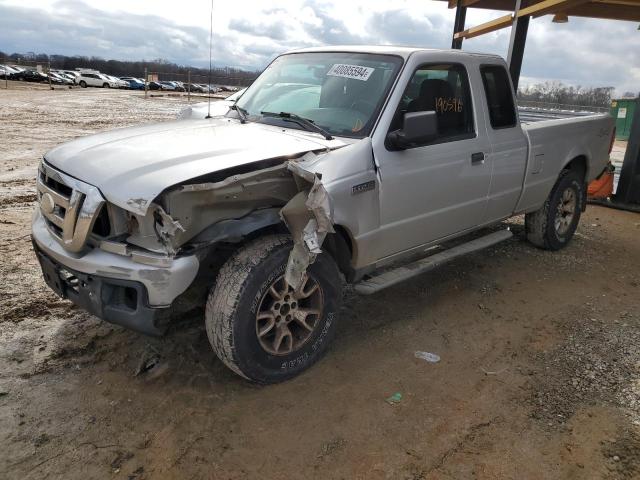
{"points": [[249, 33]]}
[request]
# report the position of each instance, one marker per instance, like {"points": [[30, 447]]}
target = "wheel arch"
{"points": [[341, 247], [580, 164], [339, 244]]}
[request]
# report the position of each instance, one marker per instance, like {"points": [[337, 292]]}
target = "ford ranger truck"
{"points": [[364, 165]]}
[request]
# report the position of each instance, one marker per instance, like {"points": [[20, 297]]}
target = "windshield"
{"points": [[340, 92]]}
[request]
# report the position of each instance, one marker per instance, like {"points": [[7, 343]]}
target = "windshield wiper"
{"points": [[242, 113], [305, 122]]}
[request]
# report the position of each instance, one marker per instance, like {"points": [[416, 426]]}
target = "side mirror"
{"points": [[417, 128]]}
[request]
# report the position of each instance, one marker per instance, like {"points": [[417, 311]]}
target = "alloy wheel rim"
{"points": [[286, 318], [565, 211]]}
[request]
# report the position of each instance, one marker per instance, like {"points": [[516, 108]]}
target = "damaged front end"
{"points": [[308, 216], [133, 267], [225, 207]]}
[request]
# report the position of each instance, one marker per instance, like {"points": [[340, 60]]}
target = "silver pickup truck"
{"points": [[366, 165]]}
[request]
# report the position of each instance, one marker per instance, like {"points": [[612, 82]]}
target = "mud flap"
{"points": [[308, 216]]}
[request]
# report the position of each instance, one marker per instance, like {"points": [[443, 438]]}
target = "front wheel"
{"points": [[552, 226], [258, 326], [83, 84]]}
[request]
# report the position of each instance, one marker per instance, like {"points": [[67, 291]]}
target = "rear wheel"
{"points": [[106, 85], [552, 226], [258, 325]]}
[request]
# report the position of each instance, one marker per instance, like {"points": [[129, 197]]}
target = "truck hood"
{"points": [[132, 166]]}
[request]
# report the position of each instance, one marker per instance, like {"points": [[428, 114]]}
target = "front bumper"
{"points": [[111, 286]]}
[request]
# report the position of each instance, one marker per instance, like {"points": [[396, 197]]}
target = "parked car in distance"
{"points": [[218, 107], [59, 79], [31, 76], [9, 72], [194, 87], [94, 79], [167, 86], [178, 86], [115, 82], [63, 74], [73, 74], [134, 83], [55, 78], [154, 86]]}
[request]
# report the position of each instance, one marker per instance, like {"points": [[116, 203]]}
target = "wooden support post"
{"points": [[548, 6], [491, 26], [146, 82]]}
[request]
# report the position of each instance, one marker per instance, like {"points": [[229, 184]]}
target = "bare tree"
{"points": [[558, 93]]}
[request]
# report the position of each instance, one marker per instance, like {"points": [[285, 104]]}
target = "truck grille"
{"points": [[70, 207]]}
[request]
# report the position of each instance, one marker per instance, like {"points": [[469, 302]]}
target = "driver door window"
{"points": [[445, 90], [432, 190]]}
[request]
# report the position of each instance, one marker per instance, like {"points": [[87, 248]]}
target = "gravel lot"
{"points": [[538, 378]]}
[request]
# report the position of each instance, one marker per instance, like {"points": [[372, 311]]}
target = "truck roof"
{"points": [[401, 51]]}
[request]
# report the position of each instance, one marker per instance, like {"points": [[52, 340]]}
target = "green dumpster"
{"points": [[622, 110]]}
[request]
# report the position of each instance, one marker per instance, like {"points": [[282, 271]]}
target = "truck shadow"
{"points": [[183, 358]]}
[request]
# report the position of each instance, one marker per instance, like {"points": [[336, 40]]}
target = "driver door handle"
{"points": [[477, 158]]}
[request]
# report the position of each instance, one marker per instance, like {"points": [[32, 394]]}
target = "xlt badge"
{"points": [[363, 187]]}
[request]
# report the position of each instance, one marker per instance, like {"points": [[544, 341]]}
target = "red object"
{"points": [[601, 187]]}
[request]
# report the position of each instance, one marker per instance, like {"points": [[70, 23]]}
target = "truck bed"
{"points": [[536, 113], [556, 140]]}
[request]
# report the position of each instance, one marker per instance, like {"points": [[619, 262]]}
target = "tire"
{"points": [[243, 290], [83, 84], [106, 85], [552, 226]]}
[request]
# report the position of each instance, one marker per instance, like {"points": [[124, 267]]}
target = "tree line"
{"points": [[120, 68], [558, 93], [547, 92]]}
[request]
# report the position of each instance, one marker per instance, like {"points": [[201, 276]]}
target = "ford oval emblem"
{"points": [[47, 204]]}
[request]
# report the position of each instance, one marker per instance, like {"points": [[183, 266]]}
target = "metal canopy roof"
{"points": [[520, 12], [602, 9]]}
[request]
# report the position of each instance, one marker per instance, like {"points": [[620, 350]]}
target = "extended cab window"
{"points": [[442, 88], [502, 112]]}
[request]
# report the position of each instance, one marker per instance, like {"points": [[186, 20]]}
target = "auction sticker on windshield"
{"points": [[350, 71]]}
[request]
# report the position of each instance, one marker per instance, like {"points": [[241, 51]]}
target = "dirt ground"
{"points": [[538, 377]]}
